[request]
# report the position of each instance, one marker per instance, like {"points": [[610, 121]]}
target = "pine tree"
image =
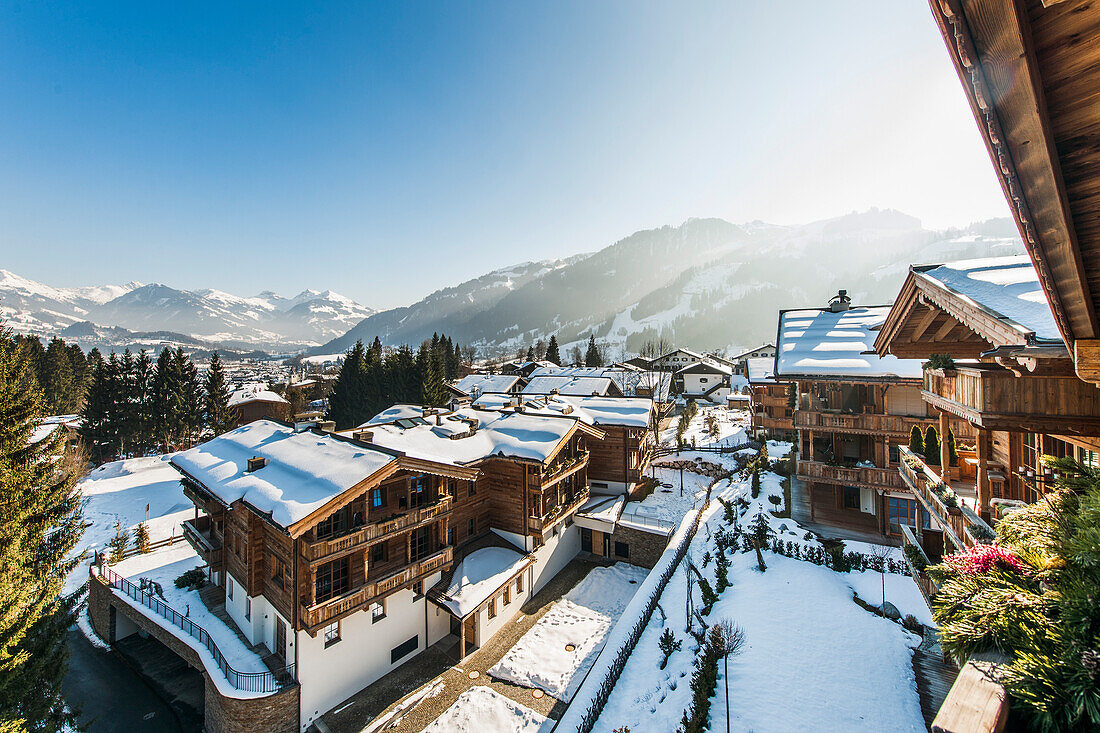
{"points": [[592, 357], [58, 384], [40, 525], [118, 544], [95, 416], [552, 354], [932, 445], [141, 538], [127, 406], [189, 399], [756, 480], [218, 416], [530, 353], [432, 391], [952, 448], [916, 440], [115, 416], [141, 441], [347, 405], [162, 411]]}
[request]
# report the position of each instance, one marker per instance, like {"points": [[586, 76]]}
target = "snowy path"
{"points": [[582, 619], [484, 710]]}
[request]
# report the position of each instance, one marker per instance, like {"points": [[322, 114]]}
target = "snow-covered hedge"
{"points": [[587, 704]]}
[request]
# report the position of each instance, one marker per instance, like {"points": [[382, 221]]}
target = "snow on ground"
{"points": [[119, 492], [666, 502], [813, 658], [163, 566], [582, 619], [484, 710]]}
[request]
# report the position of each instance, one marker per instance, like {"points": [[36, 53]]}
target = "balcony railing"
{"points": [[199, 534], [960, 524], [865, 476], [319, 614], [320, 549], [928, 587], [562, 468], [264, 682], [541, 524], [896, 425]]}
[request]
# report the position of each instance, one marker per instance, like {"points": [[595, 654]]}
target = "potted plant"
{"points": [[941, 365]]}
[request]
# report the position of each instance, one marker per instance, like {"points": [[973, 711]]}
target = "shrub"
{"points": [[117, 545], [755, 481], [704, 680], [668, 644], [916, 440], [722, 572], [775, 500], [729, 511], [952, 448], [911, 623], [940, 361], [192, 579], [708, 594], [916, 558], [932, 445]]}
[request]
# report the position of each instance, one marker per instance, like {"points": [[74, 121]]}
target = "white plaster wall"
{"points": [[555, 555], [520, 541], [487, 627], [329, 676], [235, 607]]}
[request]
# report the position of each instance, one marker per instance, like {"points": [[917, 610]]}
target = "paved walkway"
{"points": [[378, 700]]}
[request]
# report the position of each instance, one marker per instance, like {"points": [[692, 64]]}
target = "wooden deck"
{"points": [[934, 675]]}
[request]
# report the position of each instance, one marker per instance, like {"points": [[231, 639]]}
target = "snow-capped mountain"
{"points": [[265, 321], [707, 284]]}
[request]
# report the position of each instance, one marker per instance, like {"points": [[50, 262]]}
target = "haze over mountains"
{"points": [[707, 284]]}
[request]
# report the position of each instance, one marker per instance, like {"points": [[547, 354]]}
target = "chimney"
{"points": [[840, 302], [555, 392], [438, 419], [363, 436], [303, 425], [327, 426], [256, 463]]}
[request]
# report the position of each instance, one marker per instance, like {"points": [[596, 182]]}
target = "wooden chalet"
{"points": [[771, 411], [253, 404]]}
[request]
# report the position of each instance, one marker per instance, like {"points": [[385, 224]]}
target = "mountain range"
{"points": [[706, 284]]}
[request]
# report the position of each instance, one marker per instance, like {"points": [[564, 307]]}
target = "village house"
{"points": [[854, 410], [256, 403], [709, 380], [771, 407], [741, 361], [474, 385]]}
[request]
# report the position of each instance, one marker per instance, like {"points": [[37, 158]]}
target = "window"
{"points": [[904, 511], [332, 579], [278, 571], [404, 649], [418, 491], [452, 488], [894, 457], [519, 584], [378, 552], [378, 611], [470, 528], [507, 596], [471, 488], [378, 497], [418, 589], [493, 608], [450, 536], [333, 525], [622, 549], [702, 380], [229, 586], [247, 609], [332, 634], [851, 498]]}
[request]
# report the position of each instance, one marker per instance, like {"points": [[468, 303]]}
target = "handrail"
{"points": [[266, 682], [635, 518]]}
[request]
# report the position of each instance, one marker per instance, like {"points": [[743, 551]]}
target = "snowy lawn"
{"points": [[813, 659], [484, 710], [581, 619], [666, 502], [164, 566]]}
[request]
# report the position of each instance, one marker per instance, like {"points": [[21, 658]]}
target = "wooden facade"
{"points": [[253, 410], [771, 414]]}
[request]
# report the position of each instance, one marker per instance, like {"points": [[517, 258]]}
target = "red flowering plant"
{"points": [[983, 559]]}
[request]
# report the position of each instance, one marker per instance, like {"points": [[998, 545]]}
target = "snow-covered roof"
{"points": [[710, 367], [760, 369], [253, 394], [745, 354], [1006, 286], [397, 412], [303, 472], [567, 385], [508, 434], [603, 508], [478, 576], [630, 412], [486, 383], [817, 342]]}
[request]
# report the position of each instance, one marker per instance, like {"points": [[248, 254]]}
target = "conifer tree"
{"points": [[189, 399], [40, 525], [141, 538], [142, 394], [95, 416], [126, 405], [530, 353], [432, 391], [162, 411], [118, 544], [592, 357], [952, 448], [115, 416], [347, 405], [456, 362], [916, 440], [552, 354], [59, 384], [932, 445], [218, 416]]}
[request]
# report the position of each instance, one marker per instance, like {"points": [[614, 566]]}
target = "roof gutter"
{"points": [[1031, 351]]}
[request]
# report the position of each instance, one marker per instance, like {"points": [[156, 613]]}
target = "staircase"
{"points": [[213, 597], [934, 675]]}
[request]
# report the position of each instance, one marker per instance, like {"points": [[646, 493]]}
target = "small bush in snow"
{"points": [[669, 645], [911, 623], [706, 558], [775, 500], [192, 579], [729, 511], [722, 572], [708, 595]]}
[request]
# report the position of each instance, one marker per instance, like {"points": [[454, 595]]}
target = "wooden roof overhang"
{"points": [[1031, 72], [927, 319]]}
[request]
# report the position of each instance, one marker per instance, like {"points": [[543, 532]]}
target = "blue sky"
{"points": [[384, 151]]}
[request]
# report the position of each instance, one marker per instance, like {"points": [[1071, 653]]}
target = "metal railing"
{"points": [[635, 518], [264, 682]]}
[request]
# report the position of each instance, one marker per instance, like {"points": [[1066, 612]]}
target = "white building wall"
{"points": [[329, 676], [236, 607], [486, 626], [555, 555]]}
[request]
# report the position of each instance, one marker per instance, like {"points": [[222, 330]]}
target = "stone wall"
{"points": [[645, 547], [277, 713]]}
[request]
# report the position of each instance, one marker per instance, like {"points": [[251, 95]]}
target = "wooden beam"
{"points": [[976, 702], [945, 454], [1086, 359], [924, 323], [945, 330]]}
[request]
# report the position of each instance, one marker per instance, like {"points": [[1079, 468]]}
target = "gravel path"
{"points": [[378, 700]]}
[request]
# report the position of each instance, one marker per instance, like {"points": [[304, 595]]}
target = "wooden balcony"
{"points": [[928, 587], [542, 524], [322, 549], [862, 477], [199, 533], [772, 423], [860, 424], [994, 398], [562, 469], [961, 526], [319, 614]]}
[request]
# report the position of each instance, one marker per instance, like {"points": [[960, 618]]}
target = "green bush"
{"points": [[940, 361], [192, 579], [916, 440], [916, 558], [932, 445]]}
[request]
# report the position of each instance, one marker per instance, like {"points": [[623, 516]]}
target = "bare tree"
{"points": [[882, 553], [727, 639]]}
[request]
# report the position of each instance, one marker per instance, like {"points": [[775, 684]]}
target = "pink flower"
{"points": [[983, 558]]}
